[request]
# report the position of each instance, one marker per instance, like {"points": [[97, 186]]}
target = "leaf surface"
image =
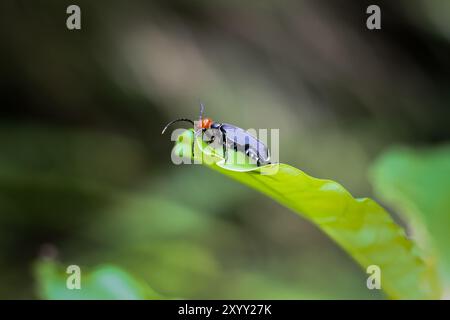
{"points": [[360, 226]]}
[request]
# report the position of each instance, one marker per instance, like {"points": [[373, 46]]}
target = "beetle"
{"points": [[229, 136]]}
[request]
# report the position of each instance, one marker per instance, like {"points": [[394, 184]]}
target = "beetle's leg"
{"points": [[247, 150], [251, 154], [225, 149], [196, 134], [224, 144], [211, 140]]}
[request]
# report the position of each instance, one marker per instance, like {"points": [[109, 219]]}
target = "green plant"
{"points": [[360, 226], [416, 183], [104, 282]]}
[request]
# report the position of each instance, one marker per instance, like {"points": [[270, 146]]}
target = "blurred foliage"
{"points": [[361, 226], [417, 184], [103, 283], [83, 166]]}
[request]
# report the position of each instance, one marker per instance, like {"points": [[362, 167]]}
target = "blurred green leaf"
{"points": [[361, 226], [417, 184], [158, 239], [105, 282]]}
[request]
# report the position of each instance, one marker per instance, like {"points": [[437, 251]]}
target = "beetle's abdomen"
{"points": [[240, 140]]}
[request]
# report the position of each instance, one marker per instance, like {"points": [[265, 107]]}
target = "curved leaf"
{"points": [[106, 282], [360, 226]]}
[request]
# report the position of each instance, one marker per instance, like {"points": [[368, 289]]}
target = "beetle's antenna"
{"points": [[202, 108], [177, 120]]}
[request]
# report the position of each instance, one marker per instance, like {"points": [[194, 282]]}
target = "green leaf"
{"points": [[360, 226], [105, 282], [417, 184]]}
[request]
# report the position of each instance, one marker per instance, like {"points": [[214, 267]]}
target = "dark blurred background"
{"points": [[85, 170]]}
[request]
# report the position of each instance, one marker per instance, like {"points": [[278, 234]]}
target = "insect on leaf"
{"points": [[361, 227]]}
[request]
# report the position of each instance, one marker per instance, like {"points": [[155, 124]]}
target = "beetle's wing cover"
{"points": [[242, 137]]}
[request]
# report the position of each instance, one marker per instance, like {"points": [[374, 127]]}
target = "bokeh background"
{"points": [[86, 177]]}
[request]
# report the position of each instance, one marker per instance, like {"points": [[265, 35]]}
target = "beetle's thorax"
{"points": [[206, 123]]}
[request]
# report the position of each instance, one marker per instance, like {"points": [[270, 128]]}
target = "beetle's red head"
{"points": [[206, 123]]}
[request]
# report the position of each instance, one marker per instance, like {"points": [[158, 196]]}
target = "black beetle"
{"points": [[229, 136]]}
